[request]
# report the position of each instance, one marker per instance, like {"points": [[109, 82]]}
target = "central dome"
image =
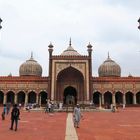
{"points": [[70, 51], [30, 68], [109, 68]]}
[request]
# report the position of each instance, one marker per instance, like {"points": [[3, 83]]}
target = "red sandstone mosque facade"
{"points": [[70, 81]]}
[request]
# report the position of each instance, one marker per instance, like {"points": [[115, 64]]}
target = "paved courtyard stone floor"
{"points": [[122, 125]]}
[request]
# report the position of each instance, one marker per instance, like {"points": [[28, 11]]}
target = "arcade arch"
{"points": [[1, 97], [96, 97], [10, 97], [32, 97], [129, 97], [21, 97], [119, 97], [138, 98], [43, 96], [108, 98]]}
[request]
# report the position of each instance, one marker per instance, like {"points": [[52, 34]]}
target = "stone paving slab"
{"points": [[122, 125], [35, 126]]}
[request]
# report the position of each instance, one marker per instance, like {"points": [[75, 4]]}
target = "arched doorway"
{"points": [[108, 98], [70, 96], [96, 97], [43, 96], [1, 97], [21, 97], [138, 98], [10, 97], [70, 79], [119, 98], [129, 98], [32, 97]]}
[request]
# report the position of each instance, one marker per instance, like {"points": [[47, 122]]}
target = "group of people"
{"points": [[14, 115], [50, 106], [76, 114], [6, 109]]}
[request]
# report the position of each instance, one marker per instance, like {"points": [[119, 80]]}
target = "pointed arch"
{"points": [[72, 70], [21, 97], [108, 97], [1, 97], [31, 97], [10, 97], [96, 96], [70, 95], [129, 97], [70, 77], [119, 97], [43, 96], [138, 97]]}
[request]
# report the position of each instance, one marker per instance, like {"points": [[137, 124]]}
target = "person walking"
{"points": [[46, 108], [8, 107], [4, 112], [49, 106], [77, 116], [14, 117]]}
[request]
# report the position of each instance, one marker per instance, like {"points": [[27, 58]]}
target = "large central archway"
{"points": [[70, 96], [70, 81]]}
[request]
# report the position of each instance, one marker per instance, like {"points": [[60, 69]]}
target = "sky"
{"points": [[109, 25]]}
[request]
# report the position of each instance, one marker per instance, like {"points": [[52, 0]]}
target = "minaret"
{"points": [[50, 68], [90, 69], [50, 57]]}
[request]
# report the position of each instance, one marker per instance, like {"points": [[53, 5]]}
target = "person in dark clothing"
{"points": [[14, 117]]}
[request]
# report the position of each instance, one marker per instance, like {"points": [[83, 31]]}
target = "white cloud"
{"points": [[31, 25]]}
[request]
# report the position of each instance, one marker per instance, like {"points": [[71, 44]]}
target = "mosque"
{"points": [[70, 81]]}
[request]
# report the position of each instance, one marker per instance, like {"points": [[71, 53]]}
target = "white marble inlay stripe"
{"points": [[70, 130]]}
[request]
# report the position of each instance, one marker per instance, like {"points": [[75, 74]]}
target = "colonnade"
{"points": [[23, 98], [116, 98]]}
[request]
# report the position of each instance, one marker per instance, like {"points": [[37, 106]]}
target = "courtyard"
{"points": [[37, 125]]}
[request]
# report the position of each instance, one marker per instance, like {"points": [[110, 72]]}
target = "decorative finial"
{"points": [[0, 23], [89, 46], [130, 75], [108, 55], [31, 55], [139, 20], [10, 74], [70, 42], [139, 23], [50, 45]]}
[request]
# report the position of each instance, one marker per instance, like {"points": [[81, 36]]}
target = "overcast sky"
{"points": [[109, 25]]}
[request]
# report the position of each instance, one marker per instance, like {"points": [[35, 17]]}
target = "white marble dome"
{"points": [[70, 51]]}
